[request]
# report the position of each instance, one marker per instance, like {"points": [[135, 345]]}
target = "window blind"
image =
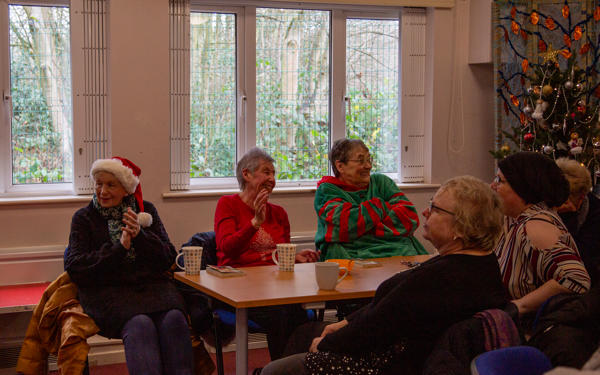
{"points": [[179, 57], [90, 88], [413, 60]]}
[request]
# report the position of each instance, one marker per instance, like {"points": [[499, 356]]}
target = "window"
{"points": [[289, 80], [39, 129]]}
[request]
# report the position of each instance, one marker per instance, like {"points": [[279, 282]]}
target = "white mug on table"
{"points": [[327, 274], [287, 256], [192, 259]]}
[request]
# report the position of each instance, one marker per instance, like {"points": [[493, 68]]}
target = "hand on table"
{"points": [[307, 256]]}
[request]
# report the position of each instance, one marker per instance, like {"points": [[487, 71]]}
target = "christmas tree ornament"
{"points": [[538, 114], [528, 137], [505, 148], [555, 126], [527, 110], [529, 90], [548, 149], [547, 90], [578, 86], [569, 85], [596, 142]]}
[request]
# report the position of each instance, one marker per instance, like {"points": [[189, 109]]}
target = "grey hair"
{"points": [[340, 150], [477, 211], [250, 162], [580, 180]]}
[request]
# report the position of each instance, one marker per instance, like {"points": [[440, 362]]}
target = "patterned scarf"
{"points": [[114, 218]]}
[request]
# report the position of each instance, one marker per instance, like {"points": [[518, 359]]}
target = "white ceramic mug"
{"points": [[192, 259], [287, 256], [327, 274]]}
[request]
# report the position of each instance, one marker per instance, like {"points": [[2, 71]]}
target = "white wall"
{"points": [[139, 86]]}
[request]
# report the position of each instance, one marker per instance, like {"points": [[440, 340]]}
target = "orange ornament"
{"points": [[577, 33], [567, 40], [565, 11], [597, 14], [584, 49], [524, 65], [550, 23], [566, 54], [514, 27], [542, 46], [513, 12], [514, 100], [534, 18], [524, 35]]}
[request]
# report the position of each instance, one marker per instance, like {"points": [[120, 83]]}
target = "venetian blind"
{"points": [[90, 88], [179, 57], [413, 57]]}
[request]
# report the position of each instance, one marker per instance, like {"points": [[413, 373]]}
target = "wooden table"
{"points": [[266, 286]]}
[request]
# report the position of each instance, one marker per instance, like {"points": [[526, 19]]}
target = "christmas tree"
{"points": [[551, 101]]}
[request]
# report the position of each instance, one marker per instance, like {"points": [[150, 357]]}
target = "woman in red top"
{"points": [[247, 226], [248, 229]]}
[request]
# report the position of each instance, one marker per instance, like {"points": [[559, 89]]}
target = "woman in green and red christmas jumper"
{"points": [[362, 215]]}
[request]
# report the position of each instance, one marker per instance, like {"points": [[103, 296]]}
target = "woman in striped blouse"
{"points": [[538, 257]]}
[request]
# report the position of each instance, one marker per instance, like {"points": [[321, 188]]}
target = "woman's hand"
{"points": [[315, 343], [260, 208], [334, 327], [328, 329], [307, 256], [132, 227]]}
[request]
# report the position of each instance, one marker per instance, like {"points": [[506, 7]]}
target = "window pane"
{"points": [[372, 86], [212, 94], [292, 90], [40, 74]]}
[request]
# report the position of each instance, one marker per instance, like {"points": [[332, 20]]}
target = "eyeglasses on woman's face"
{"points": [[364, 160], [498, 180], [434, 207]]}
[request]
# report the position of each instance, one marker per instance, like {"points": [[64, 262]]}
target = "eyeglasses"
{"points": [[369, 159], [498, 180], [433, 206]]}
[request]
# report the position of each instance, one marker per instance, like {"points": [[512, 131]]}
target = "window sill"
{"points": [[277, 191], [48, 199]]}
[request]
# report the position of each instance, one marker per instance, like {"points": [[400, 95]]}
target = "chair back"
{"points": [[208, 241], [516, 360]]}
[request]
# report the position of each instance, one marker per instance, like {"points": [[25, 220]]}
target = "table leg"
{"points": [[241, 341]]}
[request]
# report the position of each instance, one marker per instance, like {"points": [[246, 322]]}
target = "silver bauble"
{"points": [[548, 149], [527, 110], [569, 85], [579, 86]]}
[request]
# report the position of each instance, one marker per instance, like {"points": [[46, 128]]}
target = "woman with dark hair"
{"points": [[362, 215], [538, 257]]}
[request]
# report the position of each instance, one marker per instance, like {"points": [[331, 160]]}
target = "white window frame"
{"points": [[89, 96], [246, 84]]}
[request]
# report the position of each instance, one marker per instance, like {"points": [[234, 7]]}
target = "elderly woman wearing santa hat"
{"points": [[118, 255]]}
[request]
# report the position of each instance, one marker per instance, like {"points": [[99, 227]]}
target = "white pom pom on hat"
{"points": [[128, 175]]}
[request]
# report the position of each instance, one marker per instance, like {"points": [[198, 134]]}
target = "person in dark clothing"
{"points": [[581, 215], [397, 330], [119, 255]]}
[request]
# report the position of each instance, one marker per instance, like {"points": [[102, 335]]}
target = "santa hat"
{"points": [[128, 175]]}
